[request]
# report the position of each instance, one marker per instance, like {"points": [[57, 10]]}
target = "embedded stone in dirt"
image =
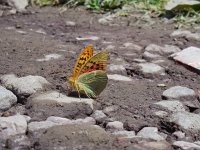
{"points": [[185, 145], [186, 34], [24, 86], [53, 103], [179, 92], [99, 116], [186, 120], [133, 47], [179, 135], [150, 70], [118, 77], [74, 137], [171, 105], [124, 134], [149, 56], [13, 125], [7, 99], [151, 133], [155, 145], [115, 125], [20, 5], [50, 57], [88, 38]]}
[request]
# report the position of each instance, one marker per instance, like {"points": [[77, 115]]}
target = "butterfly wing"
{"points": [[83, 57], [92, 83], [96, 62]]}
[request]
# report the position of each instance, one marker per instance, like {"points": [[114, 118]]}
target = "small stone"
{"points": [[99, 116], [13, 125], [20, 5], [133, 47], [149, 56], [150, 70], [7, 99], [186, 120], [171, 105], [41, 31], [116, 68], [155, 145], [179, 135], [50, 57], [124, 134], [118, 77], [70, 23], [151, 133], [110, 47], [21, 86], [161, 85], [53, 103], [185, 145], [186, 34], [139, 60], [107, 19], [110, 109], [35, 126], [115, 125], [88, 38], [179, 92]]}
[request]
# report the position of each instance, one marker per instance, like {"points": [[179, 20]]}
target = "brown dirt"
{"points": [[18, 54]]}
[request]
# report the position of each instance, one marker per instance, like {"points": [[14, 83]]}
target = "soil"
{"points": [[19, 51]]}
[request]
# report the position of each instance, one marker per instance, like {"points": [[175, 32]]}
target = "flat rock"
{"points": [[186, 145], [21, 86], [88, 38], [155, 145], [179, 92], [119, 77], [49, 57], [171, 105], [186, 34], [117, 125], [7, 99], [19, 142], [20, 5], [150, 70], [186, 120], [133, 47], [53, 103], [151, 133], [74, 137], [13, 125], [149, 56], [124, 134], [189, 56]]}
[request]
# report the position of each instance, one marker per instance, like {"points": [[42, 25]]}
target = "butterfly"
{"points": [[89, 73]]}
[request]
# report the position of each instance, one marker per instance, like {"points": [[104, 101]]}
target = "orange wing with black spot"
{"points": [[83, 58]]}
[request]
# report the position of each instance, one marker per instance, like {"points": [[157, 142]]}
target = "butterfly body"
{"points": [[89, 74]]}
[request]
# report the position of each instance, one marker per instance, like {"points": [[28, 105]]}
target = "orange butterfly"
{"points": [[89, 74]]}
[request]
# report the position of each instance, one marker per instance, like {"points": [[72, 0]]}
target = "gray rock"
{"points": [[116, 68], [39, 125], [154, 145], [21, 86], [88, 38], [171, 105], [110, 109], [185, 145], [186, 120], [7, 99], [118, 77], [124, 134], [19, 142], [116, 125], [107, 19], [186, 34], [150, 70], [163, 51], [53, 103], [99, 116], [139, 60], [151, 133], [179, 135], [118, 65], [149, 56], [179, 92], [70, 23], [20, 5], [133, 47], [161, 114], [13, 125]]}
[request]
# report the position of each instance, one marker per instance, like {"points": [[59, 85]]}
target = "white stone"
{"points": [[177, 92], [7, 99], [133, 47], [115, 125], [88, 38], [151, 133], [70, 23], [186, 120], [50, 57], [186, 145], [149, 56], [161, 114], [124, 134], [179, 134], [113, 67], [186, 34], [12, 125], [20, 5], [118, 77], [25, 85], [189, 56], [171, 105], [37, 125], [99, 116]]}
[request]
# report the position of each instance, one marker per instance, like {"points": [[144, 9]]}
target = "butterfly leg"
{"points": [[77, 88]]}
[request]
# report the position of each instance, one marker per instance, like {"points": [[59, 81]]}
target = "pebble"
{"points": [[186, 145], [20, 5], [7, 99], [118, 77], [49, 57], [149, 56], [107, 19], [133, 47], [124, 134], [117, 125], [171, 105], [151, 133], [21, 86], [179, 135], [70, 23], [110, 109], [179, 92], [99, 116], [186, 34], [88, 38], [13, 125]]}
